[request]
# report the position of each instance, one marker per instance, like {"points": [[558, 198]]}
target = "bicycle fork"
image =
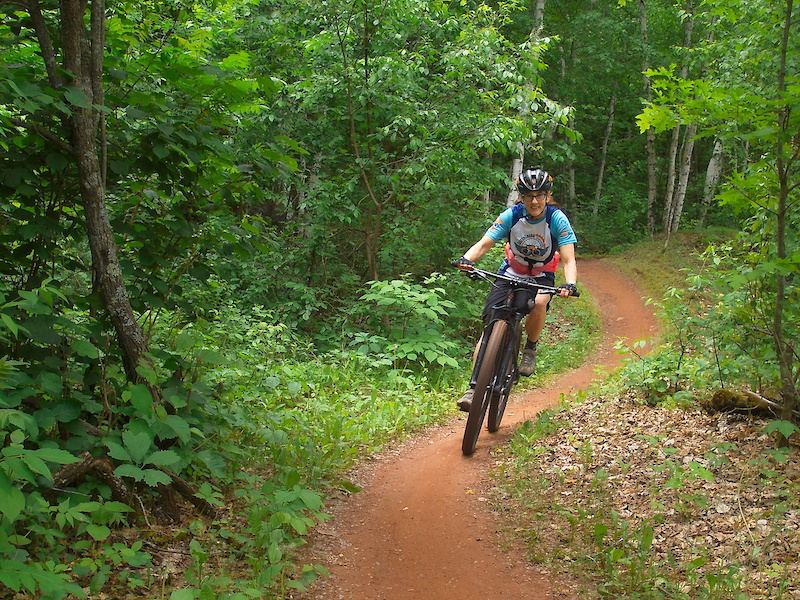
{"points": [[509, 357]]}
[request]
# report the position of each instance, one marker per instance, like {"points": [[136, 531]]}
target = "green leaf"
{"points": [[153, 477], [140, 398], [13, 499], [10, 324], [347, 486], [211, 357], [98, 532], [56, 455], [180, 426], [215, 463], [66, 411], [131, 471], [137, 444], [785, 428], [274, 553], [701, 471], [300, 525], [312, 500], [163, 458], [36, 464], [76, 97], [184, 341], [116, 451], [85, 348]]}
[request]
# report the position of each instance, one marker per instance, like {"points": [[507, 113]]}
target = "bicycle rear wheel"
{"points": [[487, 375]]}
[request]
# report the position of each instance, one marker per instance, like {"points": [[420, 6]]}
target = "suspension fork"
{"points": [[511, 351]]}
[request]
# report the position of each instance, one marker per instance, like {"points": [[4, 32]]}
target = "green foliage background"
{"points": [[286, 182]]}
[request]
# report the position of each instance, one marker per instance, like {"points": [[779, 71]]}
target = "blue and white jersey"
{"points": [[531, 245]]}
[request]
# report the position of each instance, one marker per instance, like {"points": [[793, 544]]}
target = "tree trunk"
{"points": [[538, 16], [516, 169], [712, 179], [683, 176], [650, 140], [671, 198], [83, 58], [572, 197], [783, 349], [603, 153], [669, 192]]}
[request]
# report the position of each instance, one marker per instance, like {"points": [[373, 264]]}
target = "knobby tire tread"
{"points": [[483, 384]]}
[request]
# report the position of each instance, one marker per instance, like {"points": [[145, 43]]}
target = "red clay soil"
{"points": [[420, 529]]}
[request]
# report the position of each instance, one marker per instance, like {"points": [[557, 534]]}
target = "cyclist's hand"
{"points": [[568, 289], [463, 263]]}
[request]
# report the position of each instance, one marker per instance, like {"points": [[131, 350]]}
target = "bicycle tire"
{"points": [[483, 386], [498, 401]]}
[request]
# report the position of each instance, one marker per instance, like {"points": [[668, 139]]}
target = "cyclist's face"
{"points": [[535, 203]]}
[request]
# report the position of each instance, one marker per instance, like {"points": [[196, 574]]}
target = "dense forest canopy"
{"points": [[187, 185]]}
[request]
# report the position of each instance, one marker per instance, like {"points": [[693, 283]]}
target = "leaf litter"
{"points": [[699, 500]]}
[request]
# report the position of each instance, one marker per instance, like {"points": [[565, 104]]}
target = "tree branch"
{"points": [[45, 43], [48, 135]]}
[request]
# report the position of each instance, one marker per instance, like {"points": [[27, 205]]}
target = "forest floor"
{"points": [[421, 527]]}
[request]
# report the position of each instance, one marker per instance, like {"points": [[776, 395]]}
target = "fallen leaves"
{"points": [[721, 501]]}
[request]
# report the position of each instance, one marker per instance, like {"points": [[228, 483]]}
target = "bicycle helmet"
{"points": [[534, 180]]}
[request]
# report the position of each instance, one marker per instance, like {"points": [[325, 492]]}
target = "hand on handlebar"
{"points": [[463, 263], [567, 289]]}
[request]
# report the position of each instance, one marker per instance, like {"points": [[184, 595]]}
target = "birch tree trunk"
{"points": [[516, 169], [538, 16], [683, 176], [517, 163], [712, 179], [669, 192]]}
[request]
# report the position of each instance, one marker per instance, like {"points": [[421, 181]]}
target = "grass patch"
{"points": [[658, 265]]}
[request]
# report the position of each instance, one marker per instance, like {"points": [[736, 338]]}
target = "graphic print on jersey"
{"points": [[531, 246]]}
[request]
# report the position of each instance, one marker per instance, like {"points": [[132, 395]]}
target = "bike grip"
{"points": [[571, 287]]}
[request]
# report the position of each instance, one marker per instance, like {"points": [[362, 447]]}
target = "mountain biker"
{"points": [[536, 234]]}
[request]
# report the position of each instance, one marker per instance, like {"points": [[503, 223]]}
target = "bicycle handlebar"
{"points": [[476, 273]]}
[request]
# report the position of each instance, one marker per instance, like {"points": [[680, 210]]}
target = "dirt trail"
{"points": [[420, 529]]}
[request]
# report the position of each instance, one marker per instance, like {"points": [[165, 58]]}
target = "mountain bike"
{"points": [[495, 370]]}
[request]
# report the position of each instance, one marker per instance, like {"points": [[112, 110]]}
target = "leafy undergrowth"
{"points": [[632, 501]]}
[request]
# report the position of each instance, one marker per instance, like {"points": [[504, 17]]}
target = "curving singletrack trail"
{"points": [[419, 529]]}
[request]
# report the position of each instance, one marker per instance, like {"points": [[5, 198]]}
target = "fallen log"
{"points": [[726, 400], [99, 465]]}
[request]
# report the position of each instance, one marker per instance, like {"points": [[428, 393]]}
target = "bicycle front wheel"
{"points": [[487, 376], [497, 404], [503, 385]]}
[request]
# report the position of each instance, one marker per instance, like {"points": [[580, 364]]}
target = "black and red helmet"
{"points": [[534, 180]]}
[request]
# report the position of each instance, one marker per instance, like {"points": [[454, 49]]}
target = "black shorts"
{"points": [[499, 293]]}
